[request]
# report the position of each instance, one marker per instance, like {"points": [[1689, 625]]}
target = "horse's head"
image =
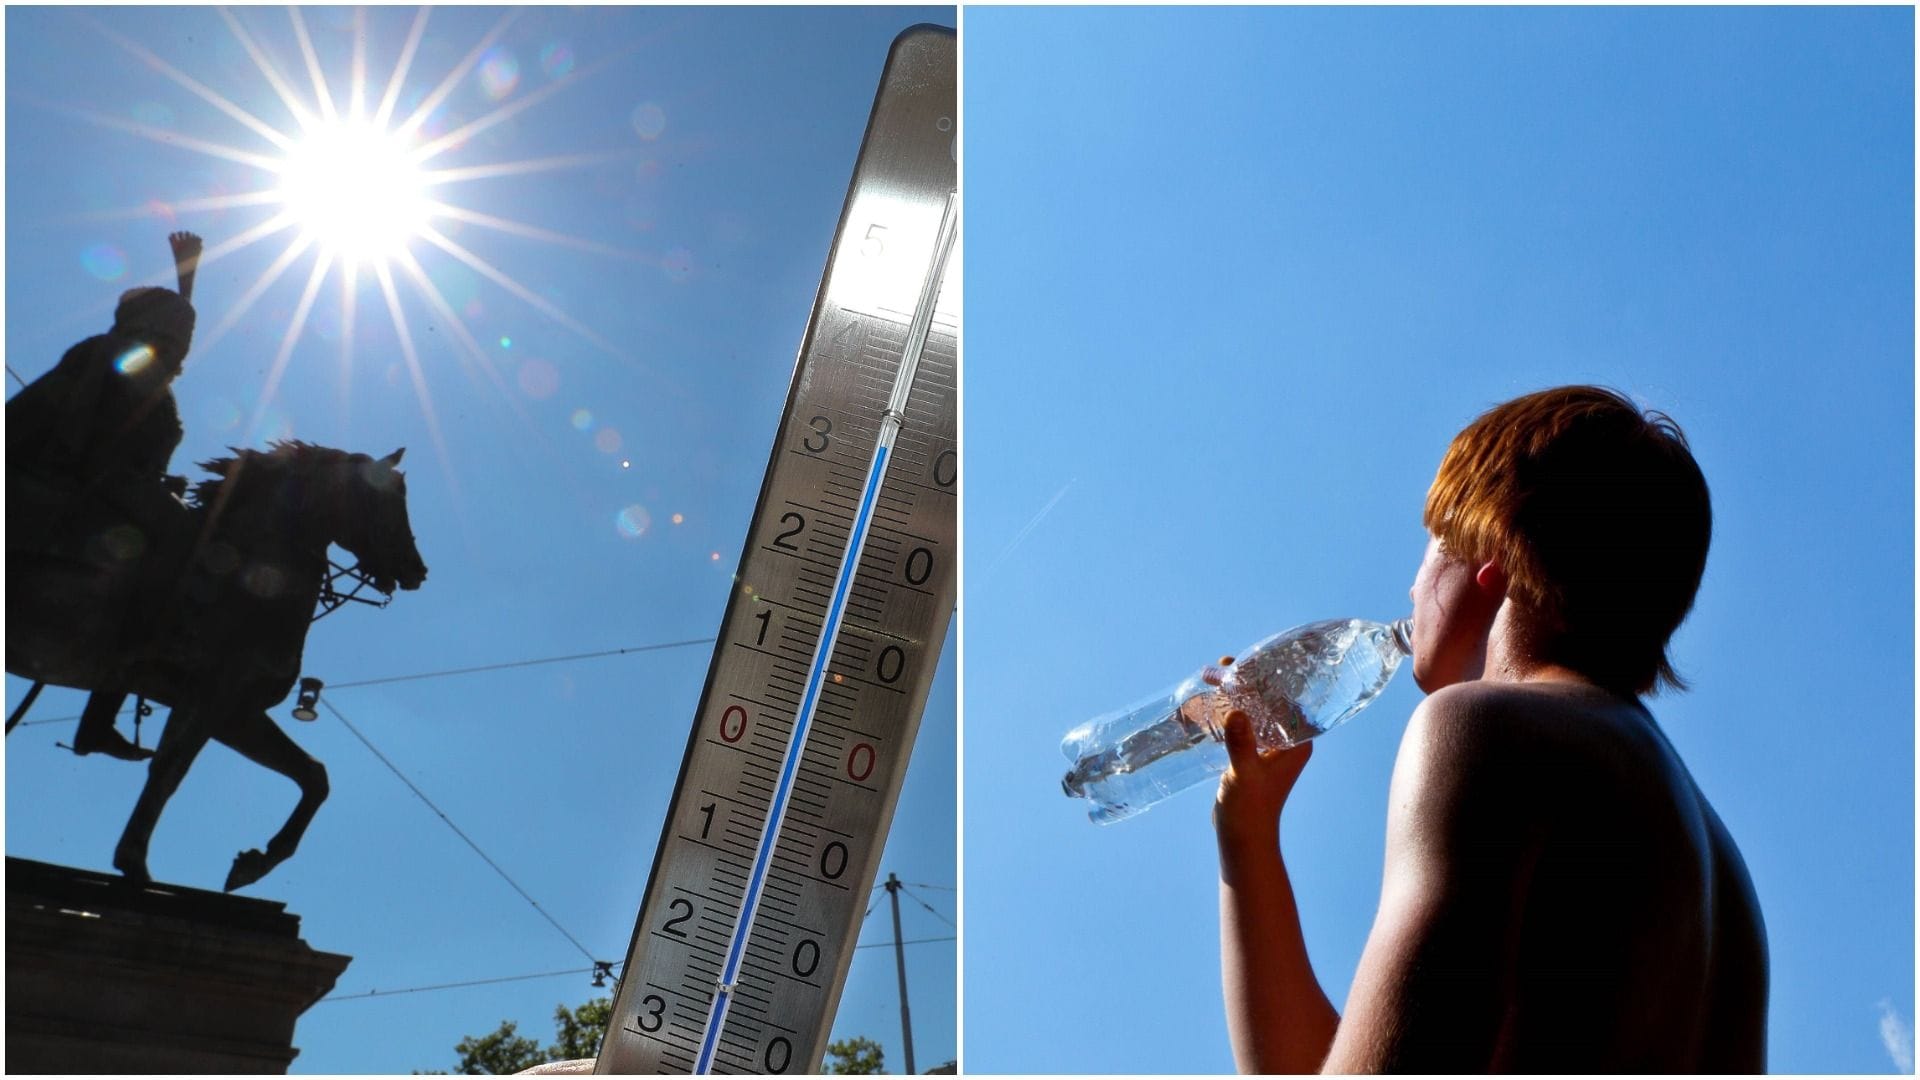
{"points": [[377, 530]]}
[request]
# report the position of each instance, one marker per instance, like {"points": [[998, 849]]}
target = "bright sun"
{"points": [[355, 190], [364, 188]]}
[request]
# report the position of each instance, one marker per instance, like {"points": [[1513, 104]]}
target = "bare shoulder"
{"points": [[1468, 764], [1489, 729], [1504, 757], [1471, 713], [1545, 727], [1481, 707]]}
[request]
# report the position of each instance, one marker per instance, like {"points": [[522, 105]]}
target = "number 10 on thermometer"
{"points": [[830, 640]]}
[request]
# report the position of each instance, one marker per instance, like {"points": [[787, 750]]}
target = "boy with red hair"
{"points": [[1558, 894]]}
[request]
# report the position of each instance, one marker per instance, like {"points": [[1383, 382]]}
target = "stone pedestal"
{"points": [[104, 976]]}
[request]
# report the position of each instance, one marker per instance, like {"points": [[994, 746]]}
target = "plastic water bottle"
{"points": [[1293, 686]]}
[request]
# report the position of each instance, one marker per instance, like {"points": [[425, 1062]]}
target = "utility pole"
{"points": [[900, 962]]}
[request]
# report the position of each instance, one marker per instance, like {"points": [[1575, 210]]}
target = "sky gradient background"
{"points": [[1235, 279], [684, 257]]}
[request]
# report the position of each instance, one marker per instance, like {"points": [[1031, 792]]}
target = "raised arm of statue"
{"points": [[186, 260]]}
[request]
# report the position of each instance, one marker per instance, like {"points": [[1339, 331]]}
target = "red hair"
{"points": [[1600, 517]]}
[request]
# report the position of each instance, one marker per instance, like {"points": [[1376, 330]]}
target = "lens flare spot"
{"points": [[499, 72], [539, 379], [458, 282], [123, 543], [678, 518], [633, 522], [678, 263], [642, 211], [607, 441], [104, 261], [582, 420], [437, 123], [273, 426], [506, 342], [264, 581], [475, 308], [626, 464], [556, 60], [134, 360], [223, 414], [713, 556], [837, 677], [153, 114], [649, 120]]}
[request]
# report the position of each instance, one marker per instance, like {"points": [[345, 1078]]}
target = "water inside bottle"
{"points": [[1293, 686], [1308, 681], [1124, 761]]}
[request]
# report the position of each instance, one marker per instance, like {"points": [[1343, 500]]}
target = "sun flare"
{"points": [[355, 184], [355, 191]]}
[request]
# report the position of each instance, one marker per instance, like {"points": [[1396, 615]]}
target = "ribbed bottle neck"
{"points": [[1402, 634]]}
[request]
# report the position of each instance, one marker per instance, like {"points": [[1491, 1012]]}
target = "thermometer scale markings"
{"points": [[889, 430], [828, 647]]}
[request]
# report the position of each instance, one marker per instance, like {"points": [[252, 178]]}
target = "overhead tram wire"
{"points": [[367, 994], [923, 903], [909, 941], [422, 796], [555, 974], [16, 377], [459, 832], [452, 985], [588, 971], [523, 663], [929, 907], [503, 665], [476, 848]]}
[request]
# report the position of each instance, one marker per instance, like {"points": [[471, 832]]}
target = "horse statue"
{"points": [[227, 643]]}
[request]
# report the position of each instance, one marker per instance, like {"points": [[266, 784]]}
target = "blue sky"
{"points": [[596, 499], [1235, 279]]}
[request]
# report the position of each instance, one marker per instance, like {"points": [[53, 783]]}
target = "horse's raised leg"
{"points": [[97, 735], [255, 736], [180, 743]]}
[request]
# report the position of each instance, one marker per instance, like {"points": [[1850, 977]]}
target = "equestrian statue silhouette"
{"points": [[121, 581]]}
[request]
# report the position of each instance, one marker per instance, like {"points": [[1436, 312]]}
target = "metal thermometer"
{"points": [[830, 639]]}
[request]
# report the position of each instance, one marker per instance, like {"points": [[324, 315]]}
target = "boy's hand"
{"points": [[1256, 784]]}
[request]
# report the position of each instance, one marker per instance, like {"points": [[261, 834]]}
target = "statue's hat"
{"points": [[151, 309]]}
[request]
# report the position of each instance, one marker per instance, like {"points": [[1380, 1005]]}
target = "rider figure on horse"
{"points": [[90, 441]]}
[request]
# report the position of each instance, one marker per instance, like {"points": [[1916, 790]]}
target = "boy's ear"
{"points": [[1491, 577]]}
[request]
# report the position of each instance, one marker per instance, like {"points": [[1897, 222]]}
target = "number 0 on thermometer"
{"points": [[829, 642]]}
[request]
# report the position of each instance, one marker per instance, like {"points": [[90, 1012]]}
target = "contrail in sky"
{"points": [[1022, 534]]}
